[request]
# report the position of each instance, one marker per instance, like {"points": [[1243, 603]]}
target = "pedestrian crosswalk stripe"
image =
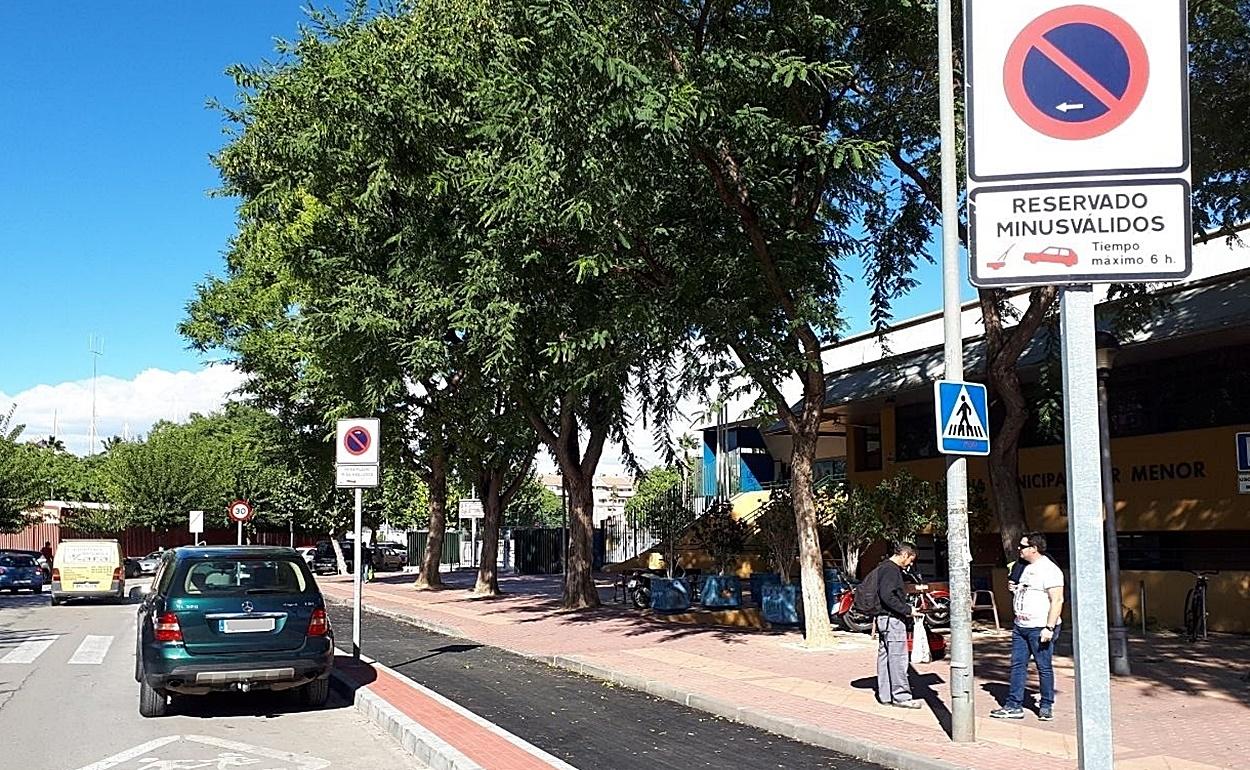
{"points": [[92, 650], [29, 650]]}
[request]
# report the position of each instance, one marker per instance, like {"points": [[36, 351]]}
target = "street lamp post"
{"points": [[1107, 347]]}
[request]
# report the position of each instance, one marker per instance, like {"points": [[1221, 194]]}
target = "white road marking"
{"points": [[130, 753], [297, 761], [29, 650], [92, 650]]}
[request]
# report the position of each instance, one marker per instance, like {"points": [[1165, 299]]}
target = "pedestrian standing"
{"points": [[46, 551], [1038, 603], [883, 596]]}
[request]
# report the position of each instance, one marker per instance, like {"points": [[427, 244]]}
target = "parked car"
{"points": [[131, 567], [308, 553], [40, 561], [324, 561], [20, 571], [389, 556], [148, 564], [232, 618], [88, 569]]}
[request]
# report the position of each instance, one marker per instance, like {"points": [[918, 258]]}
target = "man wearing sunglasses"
{"points": [[1038, 604]]}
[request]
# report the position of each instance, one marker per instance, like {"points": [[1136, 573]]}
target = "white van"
{"points": [[88, 569]]}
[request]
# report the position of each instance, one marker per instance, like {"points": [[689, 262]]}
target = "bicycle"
{"points": [[1196, 605]]}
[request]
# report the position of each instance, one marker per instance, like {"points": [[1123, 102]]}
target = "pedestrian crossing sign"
{"points": [[963, 418]]}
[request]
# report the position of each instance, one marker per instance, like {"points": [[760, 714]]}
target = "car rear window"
{"points": [[16, 561], [215, 577]]}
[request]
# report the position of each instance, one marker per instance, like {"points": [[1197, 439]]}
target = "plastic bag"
{"points": [[920, 652]]}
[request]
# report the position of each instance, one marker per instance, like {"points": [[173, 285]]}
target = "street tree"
{"points": [[20, 489]]}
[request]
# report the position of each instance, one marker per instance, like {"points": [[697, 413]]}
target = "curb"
{"points": [[427, 747], [428, 625], [859, 748]]}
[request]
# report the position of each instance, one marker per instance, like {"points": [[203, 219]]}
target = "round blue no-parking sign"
{"points": [[1076, 72]]}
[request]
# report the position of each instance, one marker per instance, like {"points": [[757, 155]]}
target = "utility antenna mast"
{"points": [[95, 345]]}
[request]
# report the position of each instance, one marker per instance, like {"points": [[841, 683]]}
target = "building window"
{"points": [[914, 432], [868, 448], [1203, 390]]}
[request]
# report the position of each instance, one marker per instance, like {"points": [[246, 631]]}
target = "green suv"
{"points": [[240, 618]]}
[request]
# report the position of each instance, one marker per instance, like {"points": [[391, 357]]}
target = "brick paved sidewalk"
{"points": [[1184, 709]]}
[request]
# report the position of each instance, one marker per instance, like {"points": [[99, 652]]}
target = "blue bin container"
{"points": [[758, 581], [669, 594], [781, 604], [721, 591]]}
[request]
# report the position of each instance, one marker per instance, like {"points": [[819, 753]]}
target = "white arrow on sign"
{"points": [[1065, 107]]}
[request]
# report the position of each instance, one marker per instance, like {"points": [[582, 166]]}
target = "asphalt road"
{"points": [[68, 701], [583, 721]]}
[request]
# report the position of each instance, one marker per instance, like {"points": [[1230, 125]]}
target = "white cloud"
{"points": [[122, 406]]}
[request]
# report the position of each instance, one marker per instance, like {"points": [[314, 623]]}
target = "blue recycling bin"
{"points": [[669, 594], [758, 581], [721, 591], [781, 604]]}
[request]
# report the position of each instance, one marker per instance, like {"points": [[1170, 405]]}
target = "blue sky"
{"points": [[106, 223]]}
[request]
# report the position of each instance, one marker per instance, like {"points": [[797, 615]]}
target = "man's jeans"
{"points": [[1026, 643], [892, 660]]}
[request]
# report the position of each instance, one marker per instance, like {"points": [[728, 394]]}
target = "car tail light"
{"points": [[56, 574], [167, 628], [117, 574], [319, 623]]}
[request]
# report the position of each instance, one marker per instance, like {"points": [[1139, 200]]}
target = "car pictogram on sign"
{"points": [[1056, 254]]}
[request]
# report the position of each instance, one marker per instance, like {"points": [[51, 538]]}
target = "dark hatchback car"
{"points": [[326, 563], [239, 618]]}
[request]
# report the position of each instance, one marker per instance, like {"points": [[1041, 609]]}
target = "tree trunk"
{"points": [[430, 577], [492, 513], [338, 552], [1003, 351], [579, 580], [818, 632], [1004, 459]]}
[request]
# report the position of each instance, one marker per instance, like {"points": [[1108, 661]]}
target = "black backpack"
{"points": [[867, 597]]}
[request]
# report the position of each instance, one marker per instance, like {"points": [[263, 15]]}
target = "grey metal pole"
{"points": [[357, 571], [240, 537], [1115, 608], [959, 555], [1085, 531]]}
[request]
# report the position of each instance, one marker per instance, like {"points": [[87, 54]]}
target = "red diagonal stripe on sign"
{"points": [[1074, 71]]}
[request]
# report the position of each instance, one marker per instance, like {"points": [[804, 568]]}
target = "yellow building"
{"points": [[1179, 393]]}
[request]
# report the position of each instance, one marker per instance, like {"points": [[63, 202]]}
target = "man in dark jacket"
{"points": [[891, 621]]}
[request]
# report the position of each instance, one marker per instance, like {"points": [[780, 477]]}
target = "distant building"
{"points": [[611, 494]]}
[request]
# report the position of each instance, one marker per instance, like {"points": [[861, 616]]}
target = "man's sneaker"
{"points": [[1005, 713], [908, 704], [1045, 714]]}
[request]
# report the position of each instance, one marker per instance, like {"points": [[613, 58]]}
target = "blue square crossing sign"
{"points": [[963, 418]]}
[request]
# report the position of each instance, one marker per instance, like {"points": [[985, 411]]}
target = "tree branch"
{"points": [[767, 385], [1204, 237]]}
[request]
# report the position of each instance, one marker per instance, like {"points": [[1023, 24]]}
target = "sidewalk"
{"points": [[1185, 708]]}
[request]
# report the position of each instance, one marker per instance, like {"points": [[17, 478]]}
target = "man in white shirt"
{"points": [[1038, 603]]}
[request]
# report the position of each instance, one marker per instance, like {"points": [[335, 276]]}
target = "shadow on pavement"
{"points": [[262, 704]]}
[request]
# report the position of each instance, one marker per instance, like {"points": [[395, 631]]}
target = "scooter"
{"points": [[638, 587]]}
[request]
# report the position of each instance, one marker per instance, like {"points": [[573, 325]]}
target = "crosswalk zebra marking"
{"points": [[92, 650], [29, 650]]}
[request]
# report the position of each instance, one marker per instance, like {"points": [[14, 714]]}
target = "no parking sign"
{"points": [[1078, 141]]}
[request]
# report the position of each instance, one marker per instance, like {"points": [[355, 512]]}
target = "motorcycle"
{"points": [[935, 603], [842, 608], [638, 588]]}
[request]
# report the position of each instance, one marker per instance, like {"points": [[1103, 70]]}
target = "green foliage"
{"points": [[19, 484], [722, 536], [777, 532], [534, 506], [156, 482], [668, 517], [651, 486]]}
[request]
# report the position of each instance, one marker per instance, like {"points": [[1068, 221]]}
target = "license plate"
{"points": [[86, 584], [246, 625]]}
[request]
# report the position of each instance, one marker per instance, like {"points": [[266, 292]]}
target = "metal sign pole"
{"points": [[357, 571], [240, 533], [959, 557], [1085, 531]]}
